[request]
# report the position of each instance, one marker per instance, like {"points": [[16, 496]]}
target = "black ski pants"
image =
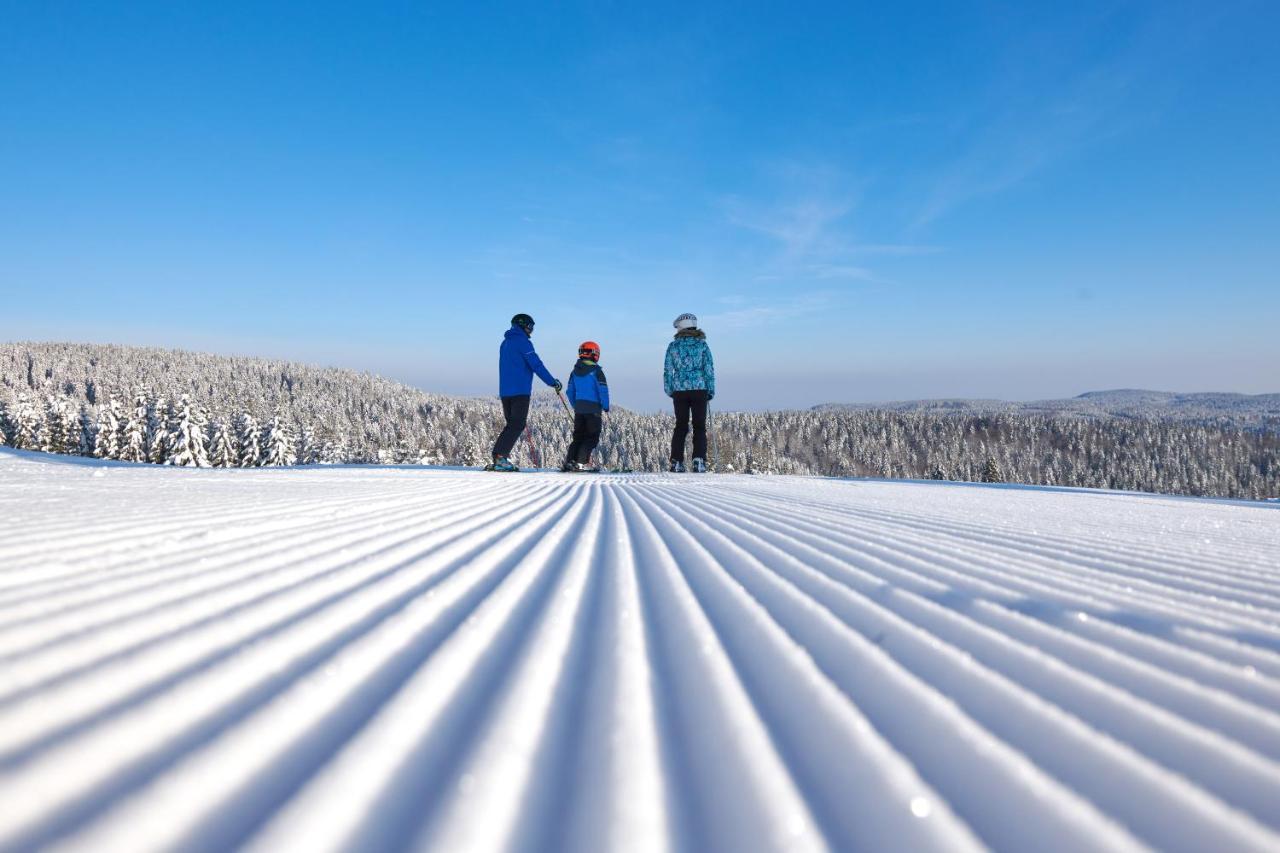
{"points": [[689, 403], [586, 435], [516, 411]]}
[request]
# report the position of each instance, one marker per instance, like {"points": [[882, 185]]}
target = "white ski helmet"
{"points": [[685, 321]]}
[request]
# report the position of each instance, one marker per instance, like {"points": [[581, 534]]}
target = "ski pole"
{"points": [[533, 453], [715, 445], [565, 403]]}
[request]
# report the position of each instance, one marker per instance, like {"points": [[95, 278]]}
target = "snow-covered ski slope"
{"points": [[388, 658]]}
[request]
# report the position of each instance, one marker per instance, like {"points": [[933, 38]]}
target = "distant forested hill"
{"points": [[1210, 407], [356, 414], [184, 408]]}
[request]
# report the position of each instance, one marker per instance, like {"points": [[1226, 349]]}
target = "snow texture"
{"points": [[388, 658]]}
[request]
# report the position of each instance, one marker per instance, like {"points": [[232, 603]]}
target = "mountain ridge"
{"points": [[1118, 402]]}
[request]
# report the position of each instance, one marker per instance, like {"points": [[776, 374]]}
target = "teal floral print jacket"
{"points": [[689, 366]]}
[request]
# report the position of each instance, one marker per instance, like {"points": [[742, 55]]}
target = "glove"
{"points": [[558, 386]]}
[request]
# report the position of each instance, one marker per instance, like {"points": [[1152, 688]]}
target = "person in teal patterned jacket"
{"points": [[689, 379]]}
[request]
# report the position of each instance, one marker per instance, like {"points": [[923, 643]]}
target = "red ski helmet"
{"points": [[589, 349]]}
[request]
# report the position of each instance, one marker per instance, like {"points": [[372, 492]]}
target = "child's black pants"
{"points": [[586, 435]]}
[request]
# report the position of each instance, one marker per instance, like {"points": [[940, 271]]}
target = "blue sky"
{"points": [[861, 201]]}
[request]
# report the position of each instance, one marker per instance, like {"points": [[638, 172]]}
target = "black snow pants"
{"points": [[516, 411], [586, 435], [689, 403]]}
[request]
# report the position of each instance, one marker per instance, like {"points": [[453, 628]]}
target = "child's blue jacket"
{"points": [[588, 389]]}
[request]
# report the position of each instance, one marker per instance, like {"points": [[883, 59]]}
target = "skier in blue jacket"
{"points": [[588, 392], [517, 363]]}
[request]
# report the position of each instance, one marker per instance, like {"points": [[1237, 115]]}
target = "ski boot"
{"points": [[699, 466], [568, 467], [676, 468], [502, 463]]}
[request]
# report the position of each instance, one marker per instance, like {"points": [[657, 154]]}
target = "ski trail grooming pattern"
{"points": [[385, 658]]}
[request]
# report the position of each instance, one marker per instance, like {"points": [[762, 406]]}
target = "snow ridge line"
{"points": [[199, 681], [174, 571], [989, 520], [938, 575], [1118, 562], [1037, 573], [178, 572], [1252, 780], [462, 660], [150, 628]]}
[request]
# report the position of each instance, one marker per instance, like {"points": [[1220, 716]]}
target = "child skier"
{"points": [[588, 391]]}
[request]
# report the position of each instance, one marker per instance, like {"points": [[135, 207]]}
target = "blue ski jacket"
{"points": [[517, 362], [688, 365], [588, 390]]}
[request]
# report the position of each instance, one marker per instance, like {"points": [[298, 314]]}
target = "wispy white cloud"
{"points": [[845, 271], [1016, 146], [1060, 93], [803, 226], [766, 313], [894, 249], [809, 223]]}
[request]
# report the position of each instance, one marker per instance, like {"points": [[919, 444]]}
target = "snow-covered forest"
{"points": [[183, 408], [1262, 410]]}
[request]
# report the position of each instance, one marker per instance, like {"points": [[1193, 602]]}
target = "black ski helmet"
{"points": [[524, 321]]}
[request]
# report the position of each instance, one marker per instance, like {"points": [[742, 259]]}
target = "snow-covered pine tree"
{"points": [[250, 447], [991, 471], [474, 450], [308, 450], [76, 428], [133, 442], [334, 450], [159, 417], [106, 440], [49, 439], [278, 446], [6, 423], [117, 413], [28, 424], [187, 442], [224, 451]]}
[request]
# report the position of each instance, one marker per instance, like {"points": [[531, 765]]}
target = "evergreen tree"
{"points": [[106, 443], [49, 440], [278, 446], [250, 449], [476, 451], [308, 450], [991, 471], [134, 444], [334, 450], [187, 442], [224, 452], [159, 419], [78, 429], [114, 424], [28, 424]]}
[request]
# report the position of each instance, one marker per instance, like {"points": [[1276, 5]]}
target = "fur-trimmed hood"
{"points": [[690, 333]]}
